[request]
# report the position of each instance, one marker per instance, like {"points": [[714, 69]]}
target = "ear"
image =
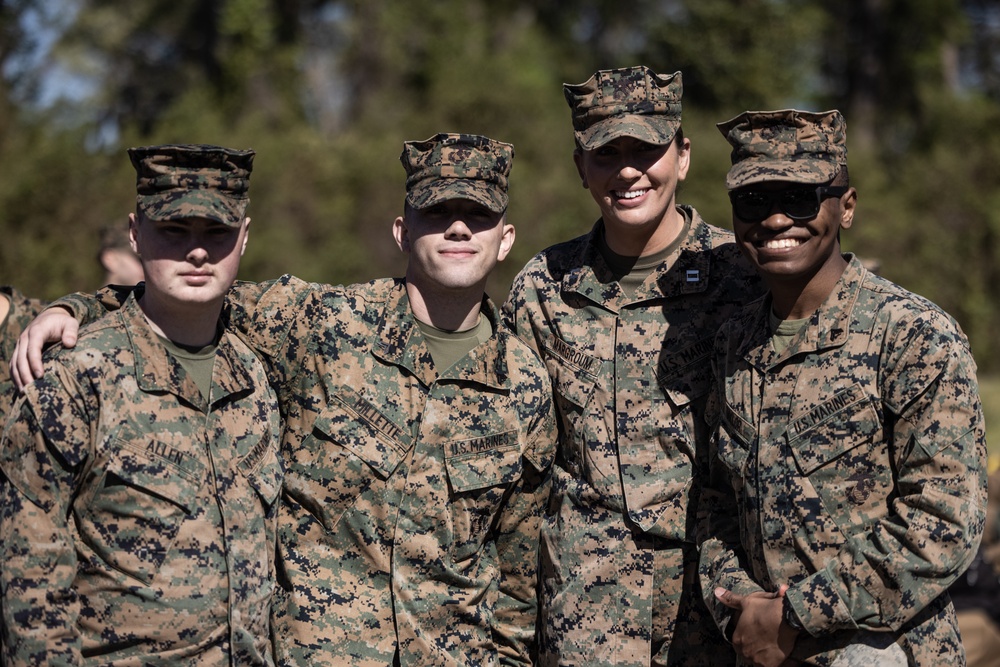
{"points": [[683, 158], [506, 240], [578, 159], [848, 205], [133, 234], [401, 234], [246, 235]]}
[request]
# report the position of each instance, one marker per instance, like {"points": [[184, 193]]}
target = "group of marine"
{"points": [[673, 444]]}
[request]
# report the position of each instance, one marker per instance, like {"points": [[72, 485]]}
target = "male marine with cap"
{"points": [[623, 318], [418, 440], [138, 501], [851, 459]]}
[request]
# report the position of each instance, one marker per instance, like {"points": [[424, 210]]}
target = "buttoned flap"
{"points": [[830, 428], [147, 490], [262, 469], [482, 462], [360, 427], [573, 371], [685, 374]]}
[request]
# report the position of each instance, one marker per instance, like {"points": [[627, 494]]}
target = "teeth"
{"points": [[630, 194], [777, 244]]}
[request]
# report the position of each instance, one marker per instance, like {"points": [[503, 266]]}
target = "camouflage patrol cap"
{"points": [[180, 181], [787, 145], [457, 166], [631, 102]]}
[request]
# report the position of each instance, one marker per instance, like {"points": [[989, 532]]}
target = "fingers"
{"points": [[728, 598], [51, 326]]}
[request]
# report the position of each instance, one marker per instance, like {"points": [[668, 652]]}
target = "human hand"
{"points": [[761, 636], [51, 326]]}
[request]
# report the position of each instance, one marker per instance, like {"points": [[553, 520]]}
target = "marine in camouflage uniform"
{"points": [[413, 489], [628, 352], [18, 311], [139, 497], [851, 464]]}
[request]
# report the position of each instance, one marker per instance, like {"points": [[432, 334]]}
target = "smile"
{"points": [[780, 244], [630, 194]]}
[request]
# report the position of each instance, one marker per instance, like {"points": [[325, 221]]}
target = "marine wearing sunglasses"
{"points": [[798, 203]]}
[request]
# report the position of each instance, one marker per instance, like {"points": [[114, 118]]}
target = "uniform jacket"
{"points": [[137, 519], [22, 311], [413, 498], [851, 466], [631, 375]]}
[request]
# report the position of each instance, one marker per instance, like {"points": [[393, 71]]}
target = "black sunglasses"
{"points": [[797, 203]]}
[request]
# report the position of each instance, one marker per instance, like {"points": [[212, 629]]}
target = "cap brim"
{"points": [[193, 204], [751, 172], [435, 191], [656, 130]]}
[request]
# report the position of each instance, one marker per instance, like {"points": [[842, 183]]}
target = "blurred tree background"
{"points": [[326, 91]]}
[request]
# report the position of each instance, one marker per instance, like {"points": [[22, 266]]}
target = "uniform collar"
{"points": [[399, 341], [685, 272], [157, 370], [827, 328]]}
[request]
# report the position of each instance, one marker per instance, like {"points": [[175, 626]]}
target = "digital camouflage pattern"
{"points": [[634, 101], [788, 145], [22, 311], [409, 528], [457, 166], [631, 376], [851, 466], [180, 181], [137, 519]]}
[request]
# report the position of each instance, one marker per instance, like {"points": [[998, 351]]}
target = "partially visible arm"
{"points": [[60, 323], [39, 606], [517, 542], [883, 577]]}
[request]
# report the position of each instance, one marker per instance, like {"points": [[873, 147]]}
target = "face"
{"points": [[453, 245], [784, 249], [634, 183], [188, 262]]}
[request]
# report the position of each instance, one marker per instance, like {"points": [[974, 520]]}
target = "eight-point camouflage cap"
{"points": [[457, 166], [632, 102], [180, 181], [786, 145]]}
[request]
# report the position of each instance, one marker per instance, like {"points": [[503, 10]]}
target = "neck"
{"points": [[449, 310], [638, 242], [193, 325], [793, 299]]}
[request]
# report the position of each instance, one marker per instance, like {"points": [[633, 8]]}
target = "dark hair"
{"points": [[842, 178]]}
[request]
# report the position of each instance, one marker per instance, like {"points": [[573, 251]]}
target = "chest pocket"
{"points": [[838, 446], [831, 429], [573, 373], [500, 465], [478, 480], [352, 445], [686, 375], [138, 507]]}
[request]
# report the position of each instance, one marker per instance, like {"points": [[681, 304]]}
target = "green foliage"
{"points": [[326, 91]]}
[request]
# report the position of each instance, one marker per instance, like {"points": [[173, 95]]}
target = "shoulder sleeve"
{"points": [[40, 453]]}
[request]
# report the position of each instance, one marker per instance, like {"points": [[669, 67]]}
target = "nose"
{"points": [[628, 171], [197, 254], [776, 218], [458, 229]]}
